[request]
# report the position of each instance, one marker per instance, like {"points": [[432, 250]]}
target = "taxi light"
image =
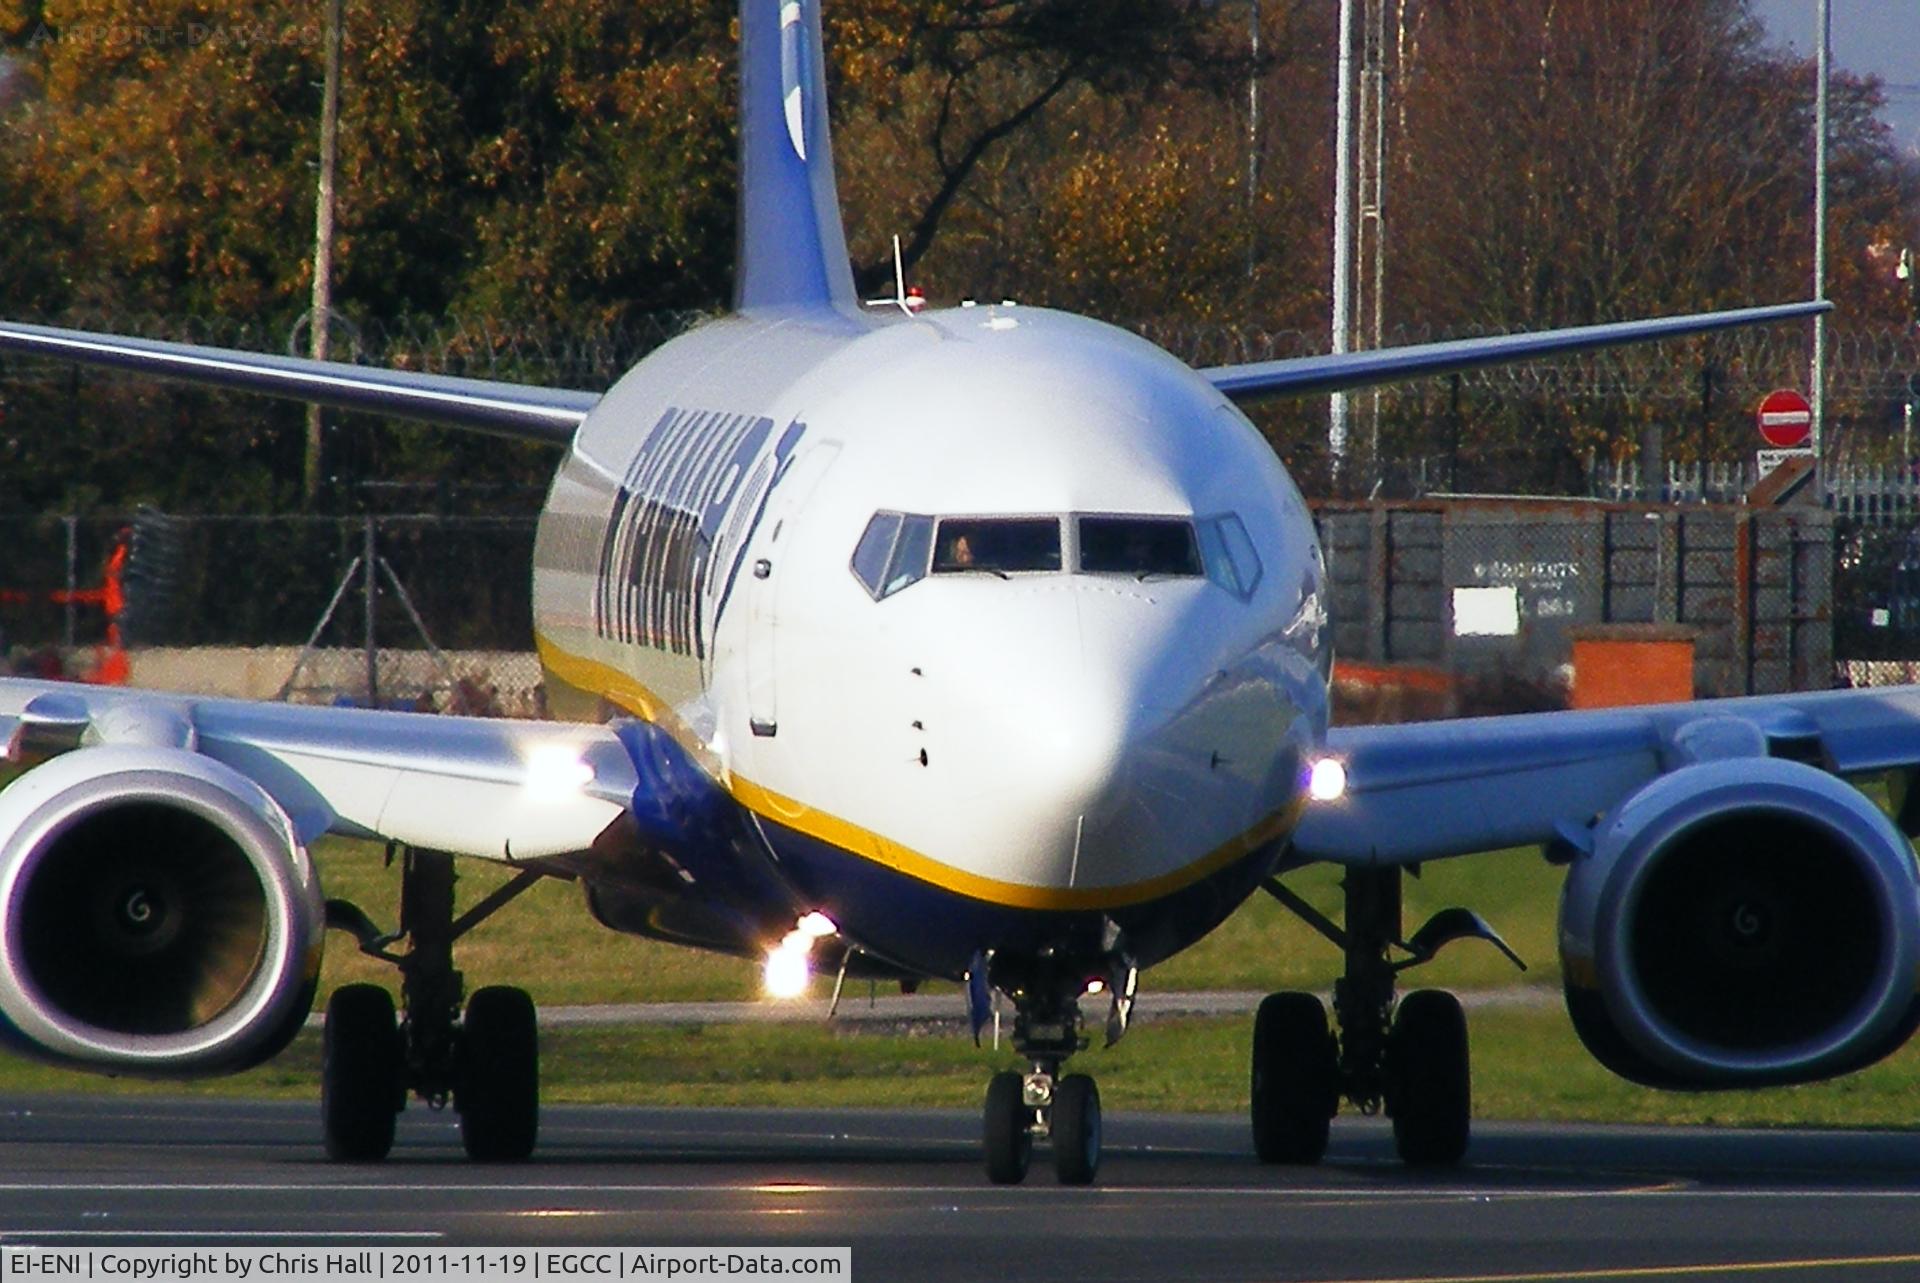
{"points": [[817, 926], [1327, 780]]}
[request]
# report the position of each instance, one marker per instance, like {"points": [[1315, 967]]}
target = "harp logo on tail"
{"points": [[793, 51]]}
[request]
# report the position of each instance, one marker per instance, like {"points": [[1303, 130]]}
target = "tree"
{"points": [[1625, 158], [969, 74]]}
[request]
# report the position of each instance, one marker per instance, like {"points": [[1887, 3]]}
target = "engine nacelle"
{"points": [[1741, 922], [158, 915]]}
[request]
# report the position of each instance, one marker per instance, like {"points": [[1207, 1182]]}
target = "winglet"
{"points": [[793, 246]]}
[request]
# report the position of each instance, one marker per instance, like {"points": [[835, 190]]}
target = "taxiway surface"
{"points": [[1179, 1197]]}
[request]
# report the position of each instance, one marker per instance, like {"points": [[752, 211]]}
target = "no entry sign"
{"points": [[1786, 420]]}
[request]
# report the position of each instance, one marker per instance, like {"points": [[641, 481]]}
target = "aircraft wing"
{"points": [[1429, 790], [1309, 374], [505, 409], [495, 789]]}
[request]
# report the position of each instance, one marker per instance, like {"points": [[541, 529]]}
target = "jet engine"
{"points": [[1740, 922], [158, 915]]}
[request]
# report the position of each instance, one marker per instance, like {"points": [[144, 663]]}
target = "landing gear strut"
{"points": [[486, 1065], [1410, 1059], [1041, 1104]]}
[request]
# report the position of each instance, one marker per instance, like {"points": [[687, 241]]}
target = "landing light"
{"points": [[1327, 780], [789, 966], [1096, 987], [556, 772], [789, 970]]}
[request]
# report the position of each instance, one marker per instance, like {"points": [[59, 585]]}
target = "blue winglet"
{"points": [[793, 246]]}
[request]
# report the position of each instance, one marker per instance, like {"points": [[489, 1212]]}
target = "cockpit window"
{"points": [[899, 549], [1139, 546], [892, 554], [875, 550], [1231, 559], [996, 544]]}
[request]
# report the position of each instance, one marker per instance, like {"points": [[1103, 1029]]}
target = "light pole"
{"points": [[1819, 372], [322, 320], [1253, 136], [1342, 237]]}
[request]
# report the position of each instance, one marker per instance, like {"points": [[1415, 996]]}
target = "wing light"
{"points": [[556, 773], [1327, 780]]}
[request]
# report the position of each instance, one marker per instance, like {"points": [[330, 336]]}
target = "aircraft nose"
{"points": [[1060, 733], [1082, 728]]}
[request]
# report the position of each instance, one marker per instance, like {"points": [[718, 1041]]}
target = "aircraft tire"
{"points": [[1296, 1079], [1429, 1093], [361, 1074], [1076, 1130], [498, 1091], [1009, 1140]]}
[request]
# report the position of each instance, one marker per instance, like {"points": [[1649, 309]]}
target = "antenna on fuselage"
{"points": [[910, 301]]}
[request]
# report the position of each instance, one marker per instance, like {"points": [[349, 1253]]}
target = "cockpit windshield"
{"points": [[1139, 546], [999, 545], [899, 549]]}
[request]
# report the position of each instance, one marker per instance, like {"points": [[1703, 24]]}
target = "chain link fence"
{"points": [[1531, 428], [278, 607], [286, 607]]}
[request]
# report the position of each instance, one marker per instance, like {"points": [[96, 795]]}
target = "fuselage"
{"points": [[1002, 628]]}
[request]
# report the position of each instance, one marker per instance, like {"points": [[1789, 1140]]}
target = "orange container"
{"points": [[1619, 664]]}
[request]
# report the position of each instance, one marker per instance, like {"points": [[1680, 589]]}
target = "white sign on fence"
{"points": [[1771, 459]]}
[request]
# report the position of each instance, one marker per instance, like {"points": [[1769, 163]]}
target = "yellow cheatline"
{"points": [[1708, 1269], [595, 678]]}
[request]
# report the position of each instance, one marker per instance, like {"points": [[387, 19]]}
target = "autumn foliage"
{"points": [[569, 163]]}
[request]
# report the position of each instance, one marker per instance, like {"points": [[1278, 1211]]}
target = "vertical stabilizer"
{"points": [[793, 246]]}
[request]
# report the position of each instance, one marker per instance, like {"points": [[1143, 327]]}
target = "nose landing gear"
{"points": [[1041, 1104]]}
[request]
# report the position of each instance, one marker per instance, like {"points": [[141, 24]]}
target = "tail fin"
{"points": [[793, 246]]}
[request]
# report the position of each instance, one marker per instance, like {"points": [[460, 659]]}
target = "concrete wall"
{"points": [[1755, 583]]}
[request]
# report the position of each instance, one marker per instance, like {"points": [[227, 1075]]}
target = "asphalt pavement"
{"points": [[1179, 1197]]}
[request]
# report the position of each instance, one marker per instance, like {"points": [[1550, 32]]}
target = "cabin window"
{"points": [[997, 545], [892, 553], [1230, 558], [1143, 547]]}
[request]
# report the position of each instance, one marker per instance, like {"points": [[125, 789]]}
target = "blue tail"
{"points": [[793, 246]]}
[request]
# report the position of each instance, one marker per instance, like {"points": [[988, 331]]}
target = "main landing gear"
{"points": [[1410, 1059], [1041, 1104], [487, 1064]]}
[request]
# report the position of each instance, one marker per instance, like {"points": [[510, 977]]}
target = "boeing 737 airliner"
{"points": [[987, 643]]}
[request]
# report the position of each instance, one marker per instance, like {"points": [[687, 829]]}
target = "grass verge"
{"points": [[1527, 1065], [547, 943]]}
